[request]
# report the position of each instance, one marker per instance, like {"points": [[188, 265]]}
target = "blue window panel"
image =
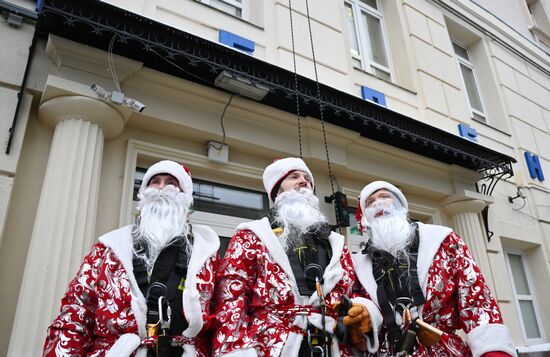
{"points": [[467, 132], [533, 164], [373, 95], [235, 41]]}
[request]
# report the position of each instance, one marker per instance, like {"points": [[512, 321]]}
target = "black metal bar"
{"points": [[18, 10], [23, 82], [486, 186]]}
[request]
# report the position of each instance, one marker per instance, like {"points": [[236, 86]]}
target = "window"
{"points": [[368, 45], [219, 199], [524, 297], [469, 83], [541, 25], [221, 207], [232, 7]]}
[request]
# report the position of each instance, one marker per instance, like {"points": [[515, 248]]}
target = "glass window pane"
{"points": [[138, 178], [227, 196], [460, 51], [382, 74], [230, 9], [529, 319], [471, 87], [479, 117], [518, 274], [374, 28], [218, 198], [371, 3], [350, 21]]}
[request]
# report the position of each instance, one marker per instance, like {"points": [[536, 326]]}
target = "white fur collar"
{"points": [[333, 273], [206, 245], [431, 237]]}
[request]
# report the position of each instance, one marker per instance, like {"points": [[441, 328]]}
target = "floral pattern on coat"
{"points": [[98, 307], [254, 298], [457, 297]]}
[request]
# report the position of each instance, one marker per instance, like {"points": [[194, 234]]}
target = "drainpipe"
{"points": [[21, 12]]}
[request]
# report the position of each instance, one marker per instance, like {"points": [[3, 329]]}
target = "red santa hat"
{"points": [[180, 172], [369, 190], [275, 173]]}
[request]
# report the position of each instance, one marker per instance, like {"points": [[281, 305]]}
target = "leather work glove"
{"points": [[358, 323]]}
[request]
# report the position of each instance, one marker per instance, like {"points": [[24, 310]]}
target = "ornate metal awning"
{"points": [[187, 56]]}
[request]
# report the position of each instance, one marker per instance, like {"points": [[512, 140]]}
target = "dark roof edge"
{"points": [[94, 23]]}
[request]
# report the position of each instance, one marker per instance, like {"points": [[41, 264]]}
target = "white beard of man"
{"points": [[163, 217], [296, 212], [391, 232]]}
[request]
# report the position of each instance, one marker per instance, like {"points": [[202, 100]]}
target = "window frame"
{"points": [[518, 298], [242, 6], [469, 64], [365, 56]]}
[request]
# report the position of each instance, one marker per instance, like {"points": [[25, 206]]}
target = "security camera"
{"points": [[134, 104], [100, 92]]}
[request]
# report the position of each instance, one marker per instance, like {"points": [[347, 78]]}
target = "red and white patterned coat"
{"points": [[103, 312], [457, 296], [256, 291]]}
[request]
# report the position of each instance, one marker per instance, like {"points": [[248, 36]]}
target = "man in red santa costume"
{"points": [[144, 289], [426, 283], [267, 300]]}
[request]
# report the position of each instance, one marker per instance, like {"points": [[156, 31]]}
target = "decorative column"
{"points": [[65, 219], [464, 210]]}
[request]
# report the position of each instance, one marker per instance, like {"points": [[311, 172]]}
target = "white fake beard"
{"points": [[391, 232], [297, 211], [163, 217]]}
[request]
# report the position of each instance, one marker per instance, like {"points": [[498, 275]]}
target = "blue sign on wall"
{"points": [[236, 41], [467, 132], [533, 164], [373, 95]]}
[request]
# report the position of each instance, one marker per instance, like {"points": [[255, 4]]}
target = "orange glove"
{"points": [[358, 322], [358, 316]]}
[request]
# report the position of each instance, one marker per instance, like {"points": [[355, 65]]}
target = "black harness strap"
{"points": [[398, 286], [308, 263], [169, 272], [415, 290]]}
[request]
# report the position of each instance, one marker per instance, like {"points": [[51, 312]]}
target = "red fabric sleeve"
{"points": [[71, 332]]}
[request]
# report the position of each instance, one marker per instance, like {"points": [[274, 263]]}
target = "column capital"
{"points": [[57, 109], [466, 201]]}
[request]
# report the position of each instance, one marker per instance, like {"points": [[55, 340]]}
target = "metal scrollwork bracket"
{"points": [[486, 186]]}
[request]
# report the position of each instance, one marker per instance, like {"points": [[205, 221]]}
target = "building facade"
{"points": [[448, 99]]}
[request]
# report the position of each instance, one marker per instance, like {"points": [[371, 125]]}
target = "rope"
{"points": [[321, 110], [298, 118]]}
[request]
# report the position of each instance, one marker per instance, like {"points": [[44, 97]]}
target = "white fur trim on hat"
{"points": [[180, 172], [377, 185], [279, 169]]}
